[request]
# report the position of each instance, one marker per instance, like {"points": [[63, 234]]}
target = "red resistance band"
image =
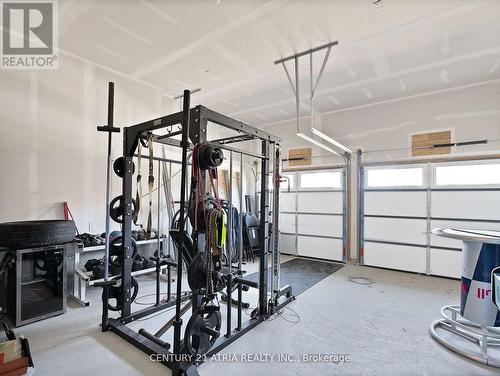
{"points": [[200, 189]]}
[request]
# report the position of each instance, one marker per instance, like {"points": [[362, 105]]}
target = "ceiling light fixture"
{"points": [[317, 143], [313, 88], [331, 140]]}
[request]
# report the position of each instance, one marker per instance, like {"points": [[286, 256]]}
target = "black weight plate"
{"points": [[195, 340], [197, 276], [115, 246], [217, 157], [209, 157], [115, 292], [119, 168], [116, 213]]}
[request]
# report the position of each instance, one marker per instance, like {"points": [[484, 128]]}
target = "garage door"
{"points": [[312, 217], [401, 204]]}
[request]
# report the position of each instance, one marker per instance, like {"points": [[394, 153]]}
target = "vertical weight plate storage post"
{"points": [[185, 145], [263, 230], [240, 243], [127, 229], [229, 247], [275, 236]]}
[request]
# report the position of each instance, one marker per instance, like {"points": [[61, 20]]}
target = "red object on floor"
{"points": [[16, 367]]}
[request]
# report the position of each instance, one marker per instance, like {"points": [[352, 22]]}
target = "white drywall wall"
{"points": [[50, 150]]}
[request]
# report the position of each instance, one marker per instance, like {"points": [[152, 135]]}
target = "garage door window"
{"points": [[477, 174], [330, 179], [395, 177]]}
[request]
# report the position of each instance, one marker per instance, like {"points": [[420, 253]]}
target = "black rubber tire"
{"points": [[30, 234]]}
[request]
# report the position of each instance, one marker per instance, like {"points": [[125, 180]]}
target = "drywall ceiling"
{"points": [[227, 48]]}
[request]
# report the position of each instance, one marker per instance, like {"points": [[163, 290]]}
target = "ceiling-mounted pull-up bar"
{"points": [[313, 88]]}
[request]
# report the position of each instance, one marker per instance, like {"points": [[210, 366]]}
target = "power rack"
{"points": [[192, 124]]}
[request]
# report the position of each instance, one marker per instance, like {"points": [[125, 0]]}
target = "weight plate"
{"points": [[115, 292], [197, 275], [116, 212], [196, 339], [119, 167], [209, 157], [115, 246]]}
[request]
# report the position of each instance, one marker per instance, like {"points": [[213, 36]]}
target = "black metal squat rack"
{"points": [[193, 130]]}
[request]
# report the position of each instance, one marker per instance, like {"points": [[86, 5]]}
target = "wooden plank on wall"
{"points": [[223, 178], [421, 144], [304, 153]]}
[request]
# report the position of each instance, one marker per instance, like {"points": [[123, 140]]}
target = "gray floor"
{"points": [[383, 326]]}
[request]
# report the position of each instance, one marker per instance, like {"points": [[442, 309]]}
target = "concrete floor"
{"points": [[383, 326]]}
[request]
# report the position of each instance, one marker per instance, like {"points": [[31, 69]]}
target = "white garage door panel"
{"points": [[320, 202], [326, 225], [395, 257], [476, 205], [330, 249], [287, 223], [396, 203], [288, 244], [287, 201], [396, 230], [446, 263], [451, 243]]}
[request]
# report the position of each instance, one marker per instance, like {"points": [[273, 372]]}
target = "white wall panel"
{"points": [[396, 203], [287, 223], [395, 257], [452, 243], [320, 202], [463, 204], [288, 244], [50, 149], [329, 249], [446, 263], [287, 201], [396, 230], [326, 225]]}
